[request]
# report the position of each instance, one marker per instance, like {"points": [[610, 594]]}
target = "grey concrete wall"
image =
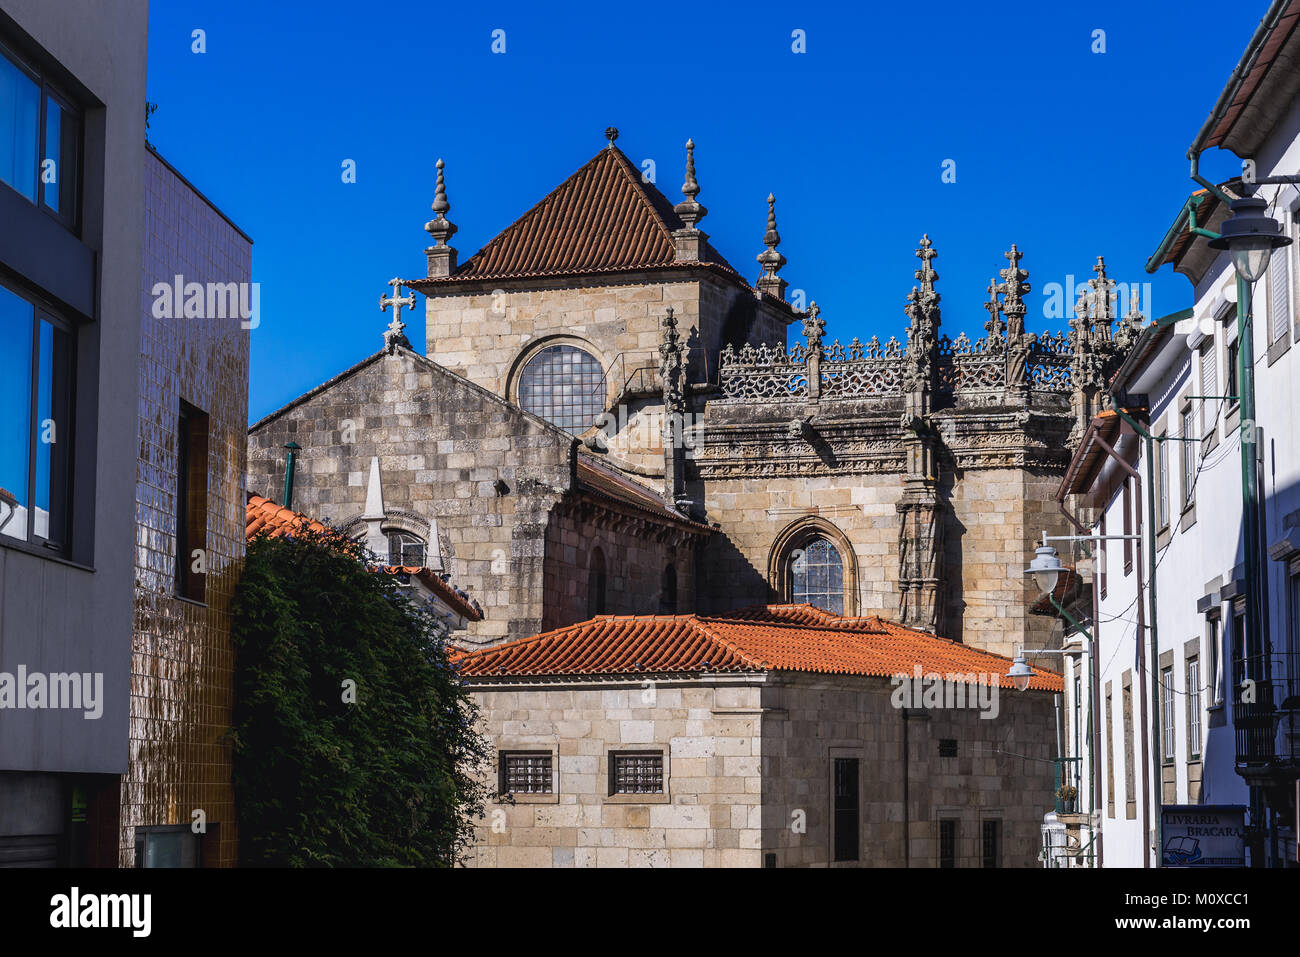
{"points": [[56, 616]]}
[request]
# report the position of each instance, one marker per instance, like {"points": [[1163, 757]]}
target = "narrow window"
{"points": [[948, 842], [41, 136], [1102, 552], [191, 502], [846, 809], [1128, 527], [525, 772], [1230, 386], [1209, 386], [1162, 502], [1279, 292], [596, 583], [1130, 789], [992, 843], [1189, 457], [1110, 756], [636, 772], [1193, 709], [668, 591], [1167, 713], [1214, 658]]}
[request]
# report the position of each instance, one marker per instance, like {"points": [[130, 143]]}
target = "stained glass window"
{"points": [[565, 386], [817, 576]]}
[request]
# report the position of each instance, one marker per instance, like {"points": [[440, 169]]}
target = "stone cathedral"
{"points": [[609, 418]]}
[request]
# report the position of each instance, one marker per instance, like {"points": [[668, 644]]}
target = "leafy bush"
{"points": [[388, 780]]}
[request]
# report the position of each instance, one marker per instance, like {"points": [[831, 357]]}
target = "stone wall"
{"points": [[709, 817], [442, 444], [746, 758], [1002, 772]]}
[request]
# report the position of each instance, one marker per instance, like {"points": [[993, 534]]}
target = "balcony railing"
{"points": [[1266, 711]]}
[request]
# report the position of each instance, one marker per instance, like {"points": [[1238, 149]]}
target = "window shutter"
{"points": [[1279, 306]]}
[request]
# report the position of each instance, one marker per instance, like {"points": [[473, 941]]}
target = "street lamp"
{"points": [[1046, 568], [1250, 236], [1020, 672]]}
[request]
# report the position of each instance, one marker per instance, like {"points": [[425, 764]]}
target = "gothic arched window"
{"points": [[596, 583], [405, 549], [817, 575], [668, 591], [564, 385]]}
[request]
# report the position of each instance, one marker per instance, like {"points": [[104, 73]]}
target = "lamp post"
{"points": [[1250, 235]]}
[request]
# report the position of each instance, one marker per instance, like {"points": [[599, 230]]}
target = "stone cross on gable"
{"points": [[395, 335]]}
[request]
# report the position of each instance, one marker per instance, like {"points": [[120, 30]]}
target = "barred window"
{"points": [[817, 576], [636, 772], [405, 549], [525, 772], [565, 386]]}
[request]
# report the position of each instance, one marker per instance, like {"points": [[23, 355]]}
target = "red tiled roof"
{"points": [[767, 638], [601, 481], [263, 515], [603, 218], [431, 580]]}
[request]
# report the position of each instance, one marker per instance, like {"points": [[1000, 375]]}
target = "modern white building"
{"points": [[1174, 723]]}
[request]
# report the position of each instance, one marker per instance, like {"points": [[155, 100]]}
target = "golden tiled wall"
{"points": [[182, 661]]}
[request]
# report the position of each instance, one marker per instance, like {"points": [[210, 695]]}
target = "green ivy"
{"points": [[392, 779]]}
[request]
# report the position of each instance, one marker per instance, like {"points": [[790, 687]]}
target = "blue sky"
{"points": [[1066, 152]]}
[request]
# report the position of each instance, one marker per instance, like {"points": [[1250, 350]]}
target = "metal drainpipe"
{"points": [[1149, 728], [1094, 692], [907, 809], [289, 466]]}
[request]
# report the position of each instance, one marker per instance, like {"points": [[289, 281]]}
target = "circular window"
{"points": [[565, 386]]}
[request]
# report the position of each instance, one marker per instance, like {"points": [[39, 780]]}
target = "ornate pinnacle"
{"points": [[926, 273], [994, 326], [1102, 296], [611, 134], [689, 210], [440, 228], [814, 327], [771, 260], [670, 363]]}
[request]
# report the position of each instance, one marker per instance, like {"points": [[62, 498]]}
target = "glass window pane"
{"points": [[53, 433], [565, 386], [15, 412], [20, 102]]}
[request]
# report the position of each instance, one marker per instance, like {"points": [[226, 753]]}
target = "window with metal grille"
{"points": [[992, 843], [846, 809], [1193, 709], [405, 549], [817, 576], [636, 772], [948, 842], [525, 772], [1167, 712], [565, 386], [947, 747]]}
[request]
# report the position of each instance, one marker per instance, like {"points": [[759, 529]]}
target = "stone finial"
{"points": [[1130, 327], [814, 327], [690, 211], [923, 302], [442, 258], [770, 259], [994, 326], [1101, 298], [926, 274], [1013, 288], [611, 134]]}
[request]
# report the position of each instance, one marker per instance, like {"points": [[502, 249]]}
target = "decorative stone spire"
{"points": [[770, 259], [442, 258], [814, 327], [672, 371], [395, 335], [1130, 327], [1013, 288], [689, 240], [995, 327], [923, 330], [1101, 300]]}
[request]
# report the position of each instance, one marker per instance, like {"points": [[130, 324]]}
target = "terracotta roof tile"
{"points": [[603, 218], [263, 515], [768, 638]]}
